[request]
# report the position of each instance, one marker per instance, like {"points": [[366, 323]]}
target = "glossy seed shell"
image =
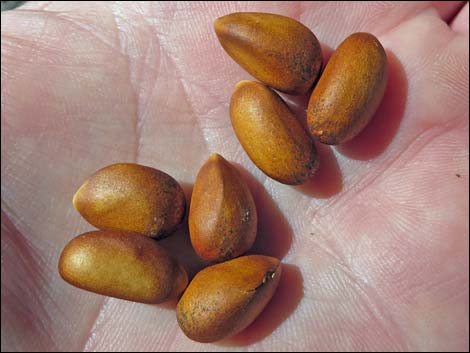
{"points": [[132, 197], [349, 90], [123, 265], [222, 216], [277, 50], [271, 135], [225, 298]]}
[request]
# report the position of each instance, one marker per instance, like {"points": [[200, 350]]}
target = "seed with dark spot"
{"points": [[225, 298]]}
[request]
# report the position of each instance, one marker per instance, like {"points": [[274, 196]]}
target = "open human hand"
{"points": [[375, 246]]}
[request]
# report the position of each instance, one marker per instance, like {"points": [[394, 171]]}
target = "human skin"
{"points": [[375, 246]]}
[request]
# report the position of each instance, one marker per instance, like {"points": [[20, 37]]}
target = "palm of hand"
{"points": [[379, 254]]}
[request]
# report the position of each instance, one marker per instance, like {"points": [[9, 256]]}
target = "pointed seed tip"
{"points": [[74, 199], [215, 156], [76, 196]]}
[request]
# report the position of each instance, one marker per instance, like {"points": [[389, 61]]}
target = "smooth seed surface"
{"points": [[123, 265], [222, 216], [271, 135], [132, 197], [349, 90]]}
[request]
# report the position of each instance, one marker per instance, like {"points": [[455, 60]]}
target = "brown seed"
{"points": [[277, 50], [349, 90], [132, 197], [222, 216], [124, 265], [271, 135], [225, 298]]}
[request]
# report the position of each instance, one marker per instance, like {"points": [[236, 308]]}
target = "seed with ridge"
{"points": [[225, 298], [222, 215], [277, 50]]}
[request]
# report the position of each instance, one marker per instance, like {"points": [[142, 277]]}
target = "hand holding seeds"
{"points": [[120, 199], [232, 193]]}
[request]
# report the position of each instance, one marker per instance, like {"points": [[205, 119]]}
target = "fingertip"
{"points": [[460, 22]]}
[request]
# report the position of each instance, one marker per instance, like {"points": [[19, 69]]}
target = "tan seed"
{"points": [[124, 265], [225, 298], [349, 91], [277, 50], [271, 135], [132, 197], [222, 216]]}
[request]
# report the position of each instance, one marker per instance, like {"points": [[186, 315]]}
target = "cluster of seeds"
{"points": [[134, 205]]}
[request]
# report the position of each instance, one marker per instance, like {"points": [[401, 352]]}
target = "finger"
{"points": [[428, 52], [460, 22], [434, 124], [426, 59], [332, 22], [436, 65], [447, 10]]}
